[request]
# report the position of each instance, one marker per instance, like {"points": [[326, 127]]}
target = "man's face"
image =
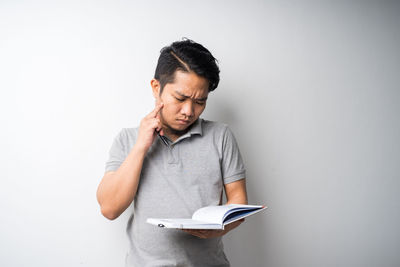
{"points": [[184, 100]]}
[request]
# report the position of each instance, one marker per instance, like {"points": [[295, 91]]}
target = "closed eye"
{"points": [[180, 99]]}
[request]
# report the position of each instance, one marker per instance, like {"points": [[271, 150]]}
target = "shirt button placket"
{"points": [[173, 157]]}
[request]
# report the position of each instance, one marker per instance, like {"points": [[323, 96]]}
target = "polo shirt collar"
{"points": [[195, 128]]}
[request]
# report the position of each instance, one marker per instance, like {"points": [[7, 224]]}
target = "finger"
{"points": [[159, 128], [197, 233], [155, 124], [155, 111], [188, 231], [192, 231]]}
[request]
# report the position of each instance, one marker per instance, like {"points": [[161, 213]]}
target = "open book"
{"points": [[211, 217]]}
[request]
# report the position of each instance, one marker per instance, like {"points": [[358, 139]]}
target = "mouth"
{"points": [[184, 122]]}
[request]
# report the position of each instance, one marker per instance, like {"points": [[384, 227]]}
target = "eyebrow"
{"points": [[197, 99]]}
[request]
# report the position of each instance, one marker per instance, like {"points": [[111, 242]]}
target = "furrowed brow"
{"points": [[197, 99]]}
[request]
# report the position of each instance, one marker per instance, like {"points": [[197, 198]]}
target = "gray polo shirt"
{"points": [[175, 181]]}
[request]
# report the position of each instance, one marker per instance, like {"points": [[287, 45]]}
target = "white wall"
{"points": [[311, 90]]}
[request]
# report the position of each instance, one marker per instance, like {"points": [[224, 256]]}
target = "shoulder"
{"points": [[125, 139], [130, 132], [127, 135], [213, 127], [221, 136], [218, 131]]}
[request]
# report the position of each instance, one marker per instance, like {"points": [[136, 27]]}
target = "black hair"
{"points": [[186, 55]]}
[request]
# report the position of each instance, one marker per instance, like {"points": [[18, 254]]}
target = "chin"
{"points": [[179, 128]]}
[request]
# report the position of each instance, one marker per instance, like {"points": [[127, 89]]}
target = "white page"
{"points": [[216, 214], [210, 217], [243, 213]]}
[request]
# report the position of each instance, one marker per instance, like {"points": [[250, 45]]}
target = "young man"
{"points": [[173, 164]]}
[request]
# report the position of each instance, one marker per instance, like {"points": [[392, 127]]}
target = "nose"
{"points": [[187, 108]]}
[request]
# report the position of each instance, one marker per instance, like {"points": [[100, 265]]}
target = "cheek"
{"points": [[167, 101], [200, 109], [170, 108]]}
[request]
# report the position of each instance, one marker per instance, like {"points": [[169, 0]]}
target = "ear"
{"points": [[155, 85]]}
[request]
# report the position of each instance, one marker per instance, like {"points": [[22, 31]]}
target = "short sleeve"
{"points": [[117, 152], [232, 168]]}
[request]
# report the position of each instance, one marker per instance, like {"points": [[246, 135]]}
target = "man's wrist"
{"points": [[140, 150]]}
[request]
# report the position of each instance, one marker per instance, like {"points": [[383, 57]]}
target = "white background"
{"points": [[310, 89]]}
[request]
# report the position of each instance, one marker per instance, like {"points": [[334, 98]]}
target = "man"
{"points": [[173, 164]]}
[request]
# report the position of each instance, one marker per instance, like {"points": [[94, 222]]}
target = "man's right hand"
{"points": [[117, 189], [148, 127]]}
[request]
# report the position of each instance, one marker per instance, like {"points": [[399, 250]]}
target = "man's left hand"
{"points": [[213, 233]]}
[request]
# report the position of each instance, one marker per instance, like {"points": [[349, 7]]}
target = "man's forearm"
{"points": [[236, 192], [117, 191], [237, 197]]}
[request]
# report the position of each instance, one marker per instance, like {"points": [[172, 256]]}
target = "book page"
{"points": [[239, 213], [215, 214], [211, 217]]}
